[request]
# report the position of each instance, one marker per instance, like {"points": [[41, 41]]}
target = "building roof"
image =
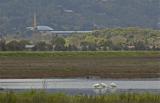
{"points": [[29, 46], [42, 28], [51, 30]]}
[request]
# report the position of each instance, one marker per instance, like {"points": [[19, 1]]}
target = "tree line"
{"points": [[99, 40]]}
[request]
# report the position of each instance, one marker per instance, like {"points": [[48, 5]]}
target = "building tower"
{"points": [[35, 33], [34, 22]]}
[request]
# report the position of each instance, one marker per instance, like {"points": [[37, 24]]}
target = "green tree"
{"points": [[2, 45], [42, 46], [14, 46], [59, 44], [140, 46], [72, 48]]}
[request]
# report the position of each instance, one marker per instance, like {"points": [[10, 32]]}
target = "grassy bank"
{"points": [[34, 97], [80, 64], [82, 54]]}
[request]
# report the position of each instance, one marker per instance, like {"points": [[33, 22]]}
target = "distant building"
{"points": [[41, 28], [29, 47], [131, 47], [38, 30], [36, 27]]}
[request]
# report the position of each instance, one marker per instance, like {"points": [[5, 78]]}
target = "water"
{"points": [[78, 85]]}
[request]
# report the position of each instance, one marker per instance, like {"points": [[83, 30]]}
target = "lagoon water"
{"points": [[77, 84]]}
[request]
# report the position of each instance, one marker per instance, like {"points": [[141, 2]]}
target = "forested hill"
{"points": [[78, 14]]}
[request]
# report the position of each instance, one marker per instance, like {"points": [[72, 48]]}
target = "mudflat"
{"points": [[75, 66]]}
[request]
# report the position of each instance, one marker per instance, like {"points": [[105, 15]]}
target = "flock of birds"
{"points": [[102, 88], [103, 85]]}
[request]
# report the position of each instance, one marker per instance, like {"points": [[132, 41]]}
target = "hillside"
{"points": [[15, 15]]}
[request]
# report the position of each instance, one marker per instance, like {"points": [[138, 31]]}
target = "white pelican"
{"points": [[100, 86], [113, 85]]}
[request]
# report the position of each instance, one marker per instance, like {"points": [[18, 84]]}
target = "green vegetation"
{"points": [[130, 39], [82, 54], [42, 97]]}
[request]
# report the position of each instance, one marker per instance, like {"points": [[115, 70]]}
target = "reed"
{"points": [[42, 97]]}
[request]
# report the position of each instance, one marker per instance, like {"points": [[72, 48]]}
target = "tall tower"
{"points": [[34, 22], [35, 34]]}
